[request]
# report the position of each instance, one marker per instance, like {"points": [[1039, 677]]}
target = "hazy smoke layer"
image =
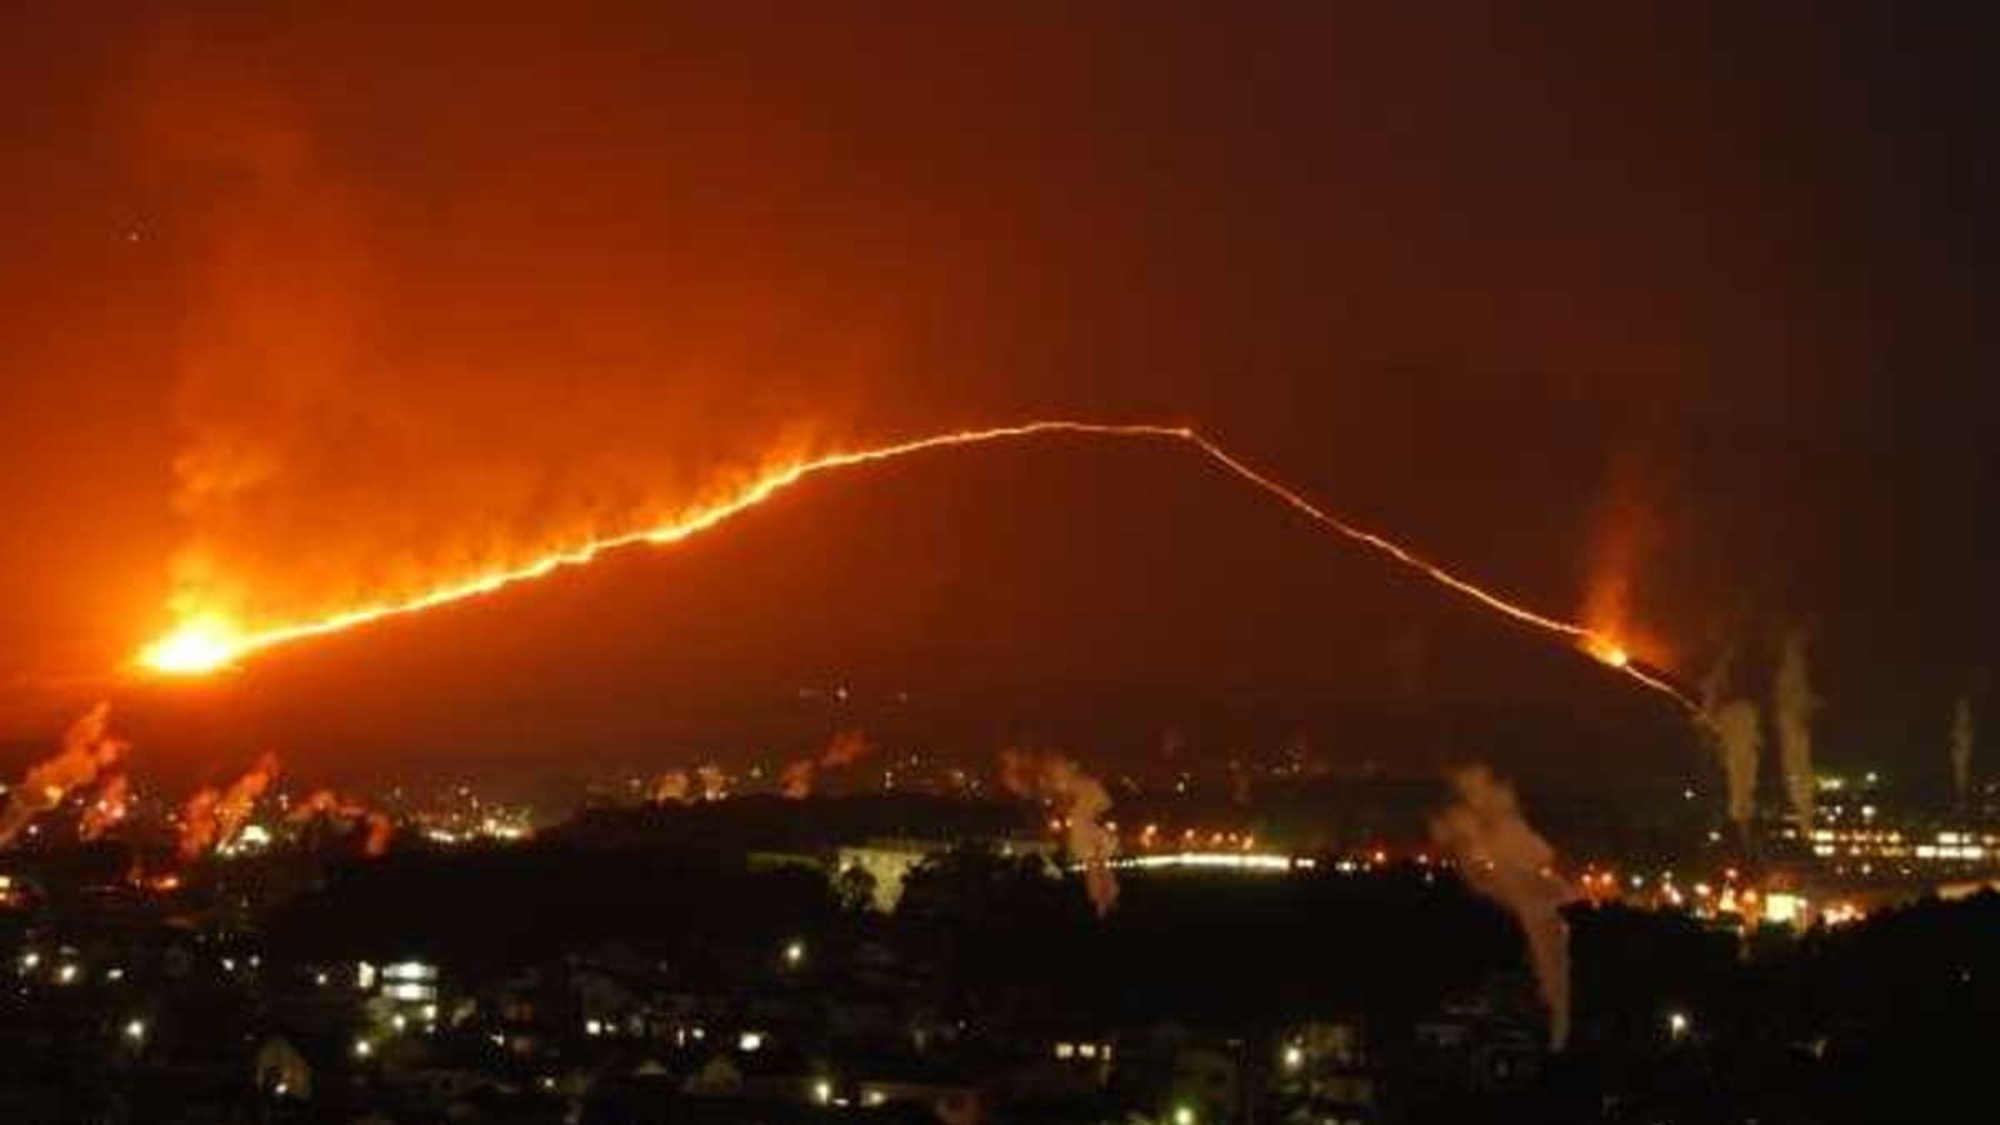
{"points": [[1508, 861], [87, 750], [1961, 750], [1080, 803], [1794, 703]]}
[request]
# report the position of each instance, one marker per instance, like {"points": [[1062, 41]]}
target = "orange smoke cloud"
{"points": [[108, 808], [87, 750], [212, 818], [798, 777], [198, 823], [321, 802], [315, 371], [380, 831], [345, 813], [1625, 532], [1080, 803]]}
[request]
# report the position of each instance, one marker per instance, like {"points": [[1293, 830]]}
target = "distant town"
{"points": [[878, 935]]}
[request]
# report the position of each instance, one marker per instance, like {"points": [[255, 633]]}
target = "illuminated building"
{"points": [[1944, 845], [1857, 832], [1325, 1065], [405, 996], [1216, 861]]}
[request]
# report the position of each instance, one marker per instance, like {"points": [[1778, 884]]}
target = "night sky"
{"points": [[311, 306]]}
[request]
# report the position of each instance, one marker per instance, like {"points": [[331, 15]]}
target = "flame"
{"points": [[1606, 650], [1625, 532], [205, 642]]}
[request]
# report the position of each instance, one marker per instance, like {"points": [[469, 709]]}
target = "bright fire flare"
{"points": [[196, 647], [206, 644], [1607, 650]]}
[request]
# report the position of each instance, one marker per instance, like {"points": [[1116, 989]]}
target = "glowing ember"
{"points": [[206, 643]]}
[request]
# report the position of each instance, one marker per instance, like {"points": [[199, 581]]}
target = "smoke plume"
{"points": [[108, 808], [322, 802], [1080, 803], [1624, 532], [331, 348], [1508, 861], [198, 825], [1716, 683], [1794, 703], [87, 750], [1736, 729], [212, 817], [1739, 738], [796, 779], [345, 814], [1961, 750], [799, 777]]}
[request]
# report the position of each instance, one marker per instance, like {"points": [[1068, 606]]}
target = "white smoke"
{"points": [[1739, 737], [1737, 732], [1716, 683], [1793, 703], [1961, 750], [1080, 803], [1509, 862]]}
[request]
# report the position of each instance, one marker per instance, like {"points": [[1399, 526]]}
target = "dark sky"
{"points": [[304, 308]]}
